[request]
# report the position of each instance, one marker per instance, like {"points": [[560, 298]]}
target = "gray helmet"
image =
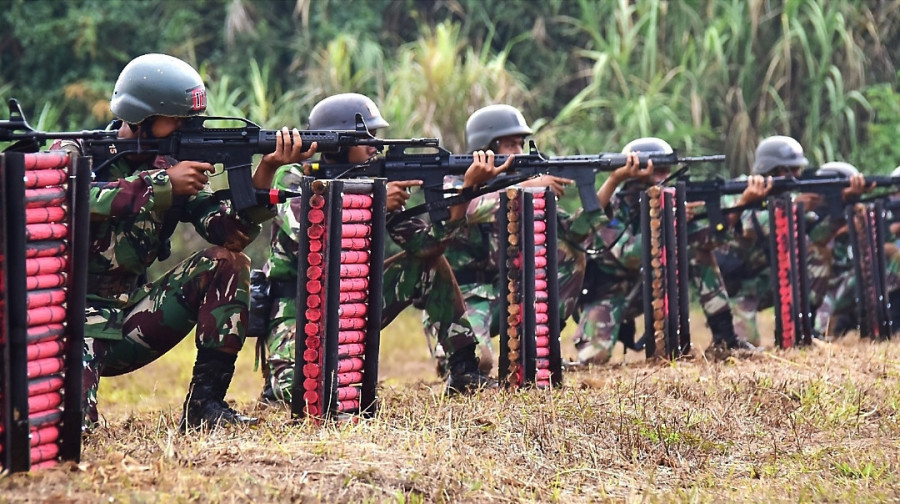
{"points": [[648, 144], [896, 172], [778, 151], [492, 122], [157, 84], [837, 169], [338, 112]]}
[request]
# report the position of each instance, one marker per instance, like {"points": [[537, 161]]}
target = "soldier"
{"points": [[837, 315], [776, 156], [134, 200], [491, 130], [611, 297], [419, 273]]}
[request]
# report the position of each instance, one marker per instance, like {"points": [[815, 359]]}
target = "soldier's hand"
{"points": [[632, 169], [556, 184], [809, 200], [482, 168], [758, 187], [690, 208], [857, 187], [189, 177], [288, 149], [398, 193]]}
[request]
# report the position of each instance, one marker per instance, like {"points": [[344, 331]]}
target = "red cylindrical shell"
{"points": [[310, 355], [356, 231], [44, 214], [351, 350], [316, 216], [349, 364], [44, 332], [44, 281], [44, 402], [314, 259], [352, 310], [313, 286], [349, 378], [44, 435], [349, 337], [44, 297], [347, 393], [44, 349], [312, 370], [355, 243], [356, 201], [45, 455], [354, 284], [45, 315], [45, 249], [45, 265], [317, 201], [356, 215], [45, 197], [351, 323], [354, 270], [354, 257], [313, 342], [540, 226], [46, 160], [315, 231], [36, 232], [44, 367], [44, 178], [352, 296]]}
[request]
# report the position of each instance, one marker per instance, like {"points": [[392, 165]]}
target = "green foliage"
{"points": [[881, 153]]}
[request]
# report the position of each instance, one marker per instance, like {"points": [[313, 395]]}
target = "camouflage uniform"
{"points": [[473, 258], [751, 285], [130, 324], [612, 289], [419, 274]]}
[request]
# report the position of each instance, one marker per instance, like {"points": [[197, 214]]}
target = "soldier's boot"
{"points": [[464, 374], [205, 404], [842, 324], [722, 326]]}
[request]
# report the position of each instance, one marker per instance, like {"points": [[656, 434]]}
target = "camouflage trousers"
{"points": [[755, 293], [840, 298], [208, 291], [602, 316], [429, 283], [483, 305]]}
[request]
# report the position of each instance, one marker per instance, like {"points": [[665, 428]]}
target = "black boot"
{"points": [[465, 376], [205, 403], [722, 326]]}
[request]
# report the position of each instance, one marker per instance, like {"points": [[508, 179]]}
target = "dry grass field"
{"points": [[819, 424]]}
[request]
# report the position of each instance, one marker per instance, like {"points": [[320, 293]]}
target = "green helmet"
{"points": [[338, 112], [648, 144], [777, 151], [489, 123], [157, 84], [837, 169]]}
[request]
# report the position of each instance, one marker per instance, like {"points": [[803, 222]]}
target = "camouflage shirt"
{"points": [[413, 235], [129, 202]]}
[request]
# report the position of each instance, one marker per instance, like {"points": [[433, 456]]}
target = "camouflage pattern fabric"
{"points": [[751, 289], [419, 275], [613, 285], [209, 291], [473, 256], [129, 325]]}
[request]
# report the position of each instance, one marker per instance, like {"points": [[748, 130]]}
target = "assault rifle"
{"points": [[432, 166], [830, 187], [232, 147]]}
